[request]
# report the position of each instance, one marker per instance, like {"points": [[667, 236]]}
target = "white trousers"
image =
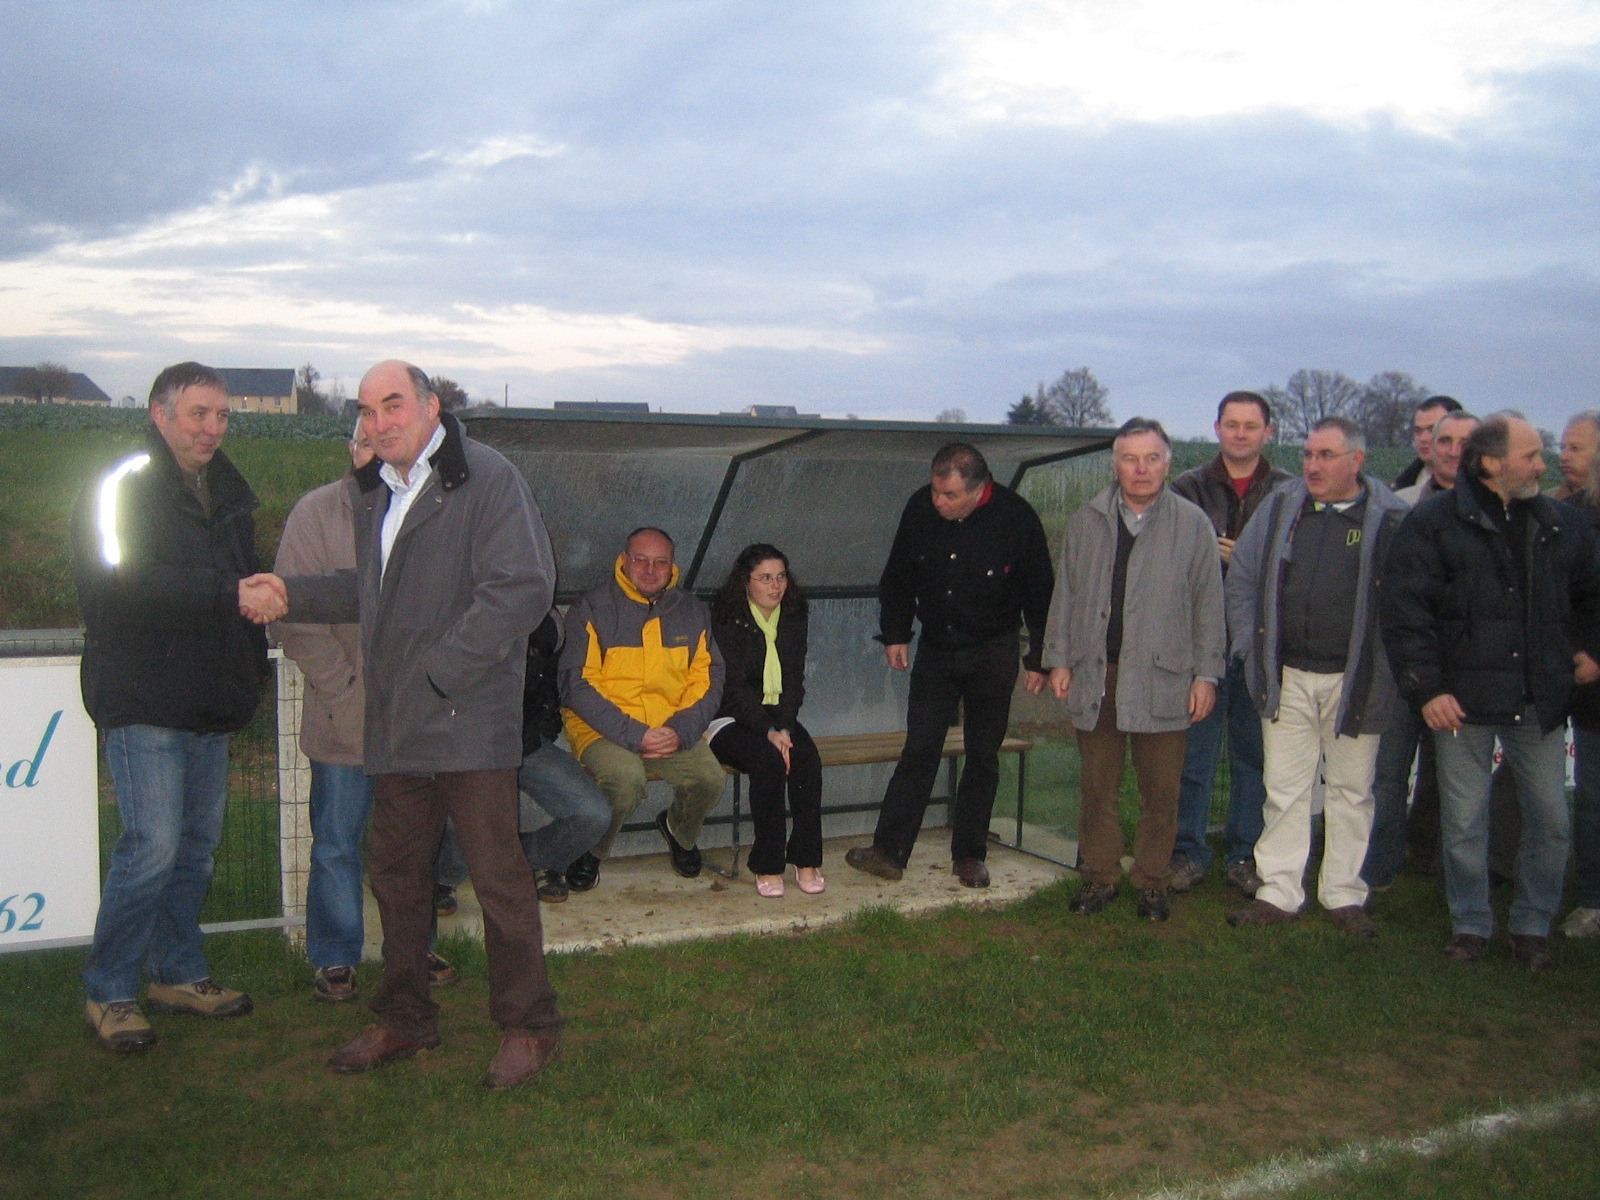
{"points": [[1301, 737]]}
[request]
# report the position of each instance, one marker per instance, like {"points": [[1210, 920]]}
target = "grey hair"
{"points": [[164, 391], [1355, 437], [1137, 425]]}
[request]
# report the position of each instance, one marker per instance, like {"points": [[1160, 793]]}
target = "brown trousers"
{"points": [[1158, 766], [407, 825]]}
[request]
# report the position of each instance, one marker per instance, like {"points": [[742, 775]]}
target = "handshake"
{"points": [[263, 599]]}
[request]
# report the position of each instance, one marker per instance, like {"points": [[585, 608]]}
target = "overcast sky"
{"points": [[852, 206]]}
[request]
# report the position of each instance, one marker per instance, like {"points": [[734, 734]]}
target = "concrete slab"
{"points": [[640, 902]]}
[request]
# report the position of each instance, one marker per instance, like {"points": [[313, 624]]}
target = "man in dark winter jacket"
{"points": [[1491, 616], [161, 542], [453, 570], [1228, 489], [970, 562]]}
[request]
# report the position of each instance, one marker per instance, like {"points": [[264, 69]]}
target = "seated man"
{"points": [[641, 677]]}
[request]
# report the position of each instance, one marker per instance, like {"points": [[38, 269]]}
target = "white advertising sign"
{"points": [[49, 823]]}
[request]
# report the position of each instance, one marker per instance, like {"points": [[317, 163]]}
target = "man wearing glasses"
{"points": [[1301, 604]]}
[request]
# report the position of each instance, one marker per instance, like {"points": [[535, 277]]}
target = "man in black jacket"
{"points": [[170, 669], [1491, 614], [970, 562], [1228, 489]]}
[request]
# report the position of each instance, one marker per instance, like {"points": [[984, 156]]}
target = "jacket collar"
{"points": [[1469, 508], [449, 461], [1218, 470], [620, 578]]}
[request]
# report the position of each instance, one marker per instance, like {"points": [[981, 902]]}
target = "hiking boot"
{"points": [[1259, 913], [551, 885], [1242, 875], [335, 985], [584, 872], [1465, 947], [202, 998], [1185, 874], [1353, 920], [1582, 923], [1532, 953], [1152, 904], [874, 861], [440, 973], [120, 1026], [1092, 898], [444, 900]]}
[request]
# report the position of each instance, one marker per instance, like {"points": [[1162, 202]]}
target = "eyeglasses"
{"points": [[1324, 456], [769, 580]]}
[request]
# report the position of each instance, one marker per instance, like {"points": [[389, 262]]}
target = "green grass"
{"points": [[1013, 1052]]}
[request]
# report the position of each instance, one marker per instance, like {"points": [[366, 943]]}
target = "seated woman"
{"points": [[759, 619]]}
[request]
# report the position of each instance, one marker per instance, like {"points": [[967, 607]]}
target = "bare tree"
{"points": [[1387, 403], [952, 416], [308, 397], [1077, 399], [45, 383], [1308, 398]]}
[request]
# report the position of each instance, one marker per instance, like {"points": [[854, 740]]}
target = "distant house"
{"points": [[19, 385], [773, 410], [261, 389]]}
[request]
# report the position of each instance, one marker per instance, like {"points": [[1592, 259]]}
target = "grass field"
{"points": [[1013, 1052]]}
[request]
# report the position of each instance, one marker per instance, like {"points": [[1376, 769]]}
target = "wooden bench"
{"points": [[855, 750]]}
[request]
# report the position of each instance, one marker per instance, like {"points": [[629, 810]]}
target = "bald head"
{"points": [[399, 412]]}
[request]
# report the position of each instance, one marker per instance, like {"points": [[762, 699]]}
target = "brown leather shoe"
{"points": [[1465, 947], [1259, 912], [874, 861], [1353, 919], [521, 1056], [971, 872], [373, 1048], [1532, 953]]}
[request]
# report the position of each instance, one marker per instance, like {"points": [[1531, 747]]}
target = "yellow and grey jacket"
{"points": [[629, 664]]}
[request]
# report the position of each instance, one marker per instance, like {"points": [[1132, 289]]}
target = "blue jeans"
{"points": [[1538, 762], [1391, 788], [341, 800], [552, 780], [1247, 795], [1586, 818], [172, 787]]}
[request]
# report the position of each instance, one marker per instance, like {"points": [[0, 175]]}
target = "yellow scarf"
{"points": [[772, 670]]}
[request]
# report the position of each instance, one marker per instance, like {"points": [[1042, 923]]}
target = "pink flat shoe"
{"points": [[770, 886], [811, 887]]}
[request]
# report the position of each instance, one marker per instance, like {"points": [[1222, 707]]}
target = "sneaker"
{"points": [[1582, 923], [120, 1026], [552, 886], [202, 998], [335, 985], [1258, 913], [584, 873], [1092, 898], [444, 900], [1242, 875], [440, 973], [1152, 904], [1185, 874], [1353, 920]]}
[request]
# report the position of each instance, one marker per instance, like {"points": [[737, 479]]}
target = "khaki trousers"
{"points": [[696, 777]]}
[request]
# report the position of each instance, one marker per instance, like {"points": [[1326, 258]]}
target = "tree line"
{"points": [[1382, 406]]}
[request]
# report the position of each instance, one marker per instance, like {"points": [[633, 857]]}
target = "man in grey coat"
{"points": [[1134, 644], [1302, 605], [453, 569]]}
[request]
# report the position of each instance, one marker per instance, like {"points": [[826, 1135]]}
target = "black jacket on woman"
{"points": [[1460, 618], [744, 653]]}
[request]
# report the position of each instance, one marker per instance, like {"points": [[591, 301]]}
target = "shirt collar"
{"points": [[420, 470]]}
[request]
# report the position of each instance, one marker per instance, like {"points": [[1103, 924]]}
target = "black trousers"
{"points": [[980, 680], [752, 753]]}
